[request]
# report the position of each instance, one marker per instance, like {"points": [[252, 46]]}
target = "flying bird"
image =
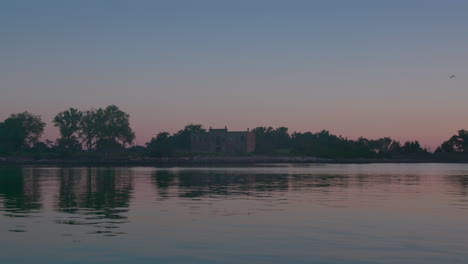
{"points": [[452, 76]]}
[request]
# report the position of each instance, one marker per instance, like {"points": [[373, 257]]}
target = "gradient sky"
{"points": [[357, 68]]}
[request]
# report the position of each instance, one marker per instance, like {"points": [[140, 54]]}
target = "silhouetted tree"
{"points": [[395, 147], [20, 130], [40, 147], [324, 144], [264, 140], [384, 147], [281, 138], [182, 138], [161, 146], [381, 145], [457, 143], [113, 126], [104, 129], [68, 123], [411, 147], [88, 129]]}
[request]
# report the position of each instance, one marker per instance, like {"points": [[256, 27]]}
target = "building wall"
{"points": [[223, 141]]}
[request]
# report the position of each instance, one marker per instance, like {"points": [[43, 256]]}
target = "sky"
{"points": [[356, 68]]}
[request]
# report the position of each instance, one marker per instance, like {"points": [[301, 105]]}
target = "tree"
{"points": [[281, 138], [161, 146], [20, 130], [32, 126], [68, 123], [264, 140], [182, 137], [112, 128], [324, 144], [87, 129], [381, 145], [457, 143], [411, 147]]}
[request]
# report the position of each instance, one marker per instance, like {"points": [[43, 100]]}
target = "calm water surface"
{"points": [[374, 213]]}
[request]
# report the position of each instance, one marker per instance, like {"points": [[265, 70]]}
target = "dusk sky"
{"points": [[357, 68]]}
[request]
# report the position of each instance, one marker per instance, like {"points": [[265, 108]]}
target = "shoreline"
{"points": [[207, 161]]}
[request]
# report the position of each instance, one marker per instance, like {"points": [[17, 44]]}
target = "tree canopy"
{"points": [[97, 129], [21, 130], [112, 128], [68, 123], [456, 143], [107, 130]]}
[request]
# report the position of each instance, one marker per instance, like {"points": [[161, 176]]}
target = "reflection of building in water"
{"points": [[190, 184], [223, 141]]}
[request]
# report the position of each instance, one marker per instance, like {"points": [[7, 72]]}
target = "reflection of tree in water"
{"points": [[300, 182], [20, 191], [457, 188], [163, 181], [191, 184], [458, 184], [97, 197], [367, 180], [199, 183]]}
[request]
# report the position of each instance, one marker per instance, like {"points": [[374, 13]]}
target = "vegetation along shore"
{"points": [[104, 136]]}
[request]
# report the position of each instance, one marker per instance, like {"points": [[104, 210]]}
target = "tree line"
{"points": [[102, 130], [106, 131]]}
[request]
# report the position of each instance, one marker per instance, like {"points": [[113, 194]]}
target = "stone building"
{"points": [[223, 141]]}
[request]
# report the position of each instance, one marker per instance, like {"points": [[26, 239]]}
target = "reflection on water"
{"points": [[191, 184], [98, 197], [86, 196], [19, 190], [458, 188], [298, 213]]}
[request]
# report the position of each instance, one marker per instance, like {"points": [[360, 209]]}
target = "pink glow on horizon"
{"points": [[145, 131]]}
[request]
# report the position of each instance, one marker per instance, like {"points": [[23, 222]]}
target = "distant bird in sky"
{"points": [[452, 76]]}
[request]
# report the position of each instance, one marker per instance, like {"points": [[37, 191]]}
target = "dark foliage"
{"points": [[457, 143], [20, 131], [106, 132], [103, 130], [269, 140]]}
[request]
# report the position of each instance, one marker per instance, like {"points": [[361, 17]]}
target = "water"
{"points": [[369, 213]]}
